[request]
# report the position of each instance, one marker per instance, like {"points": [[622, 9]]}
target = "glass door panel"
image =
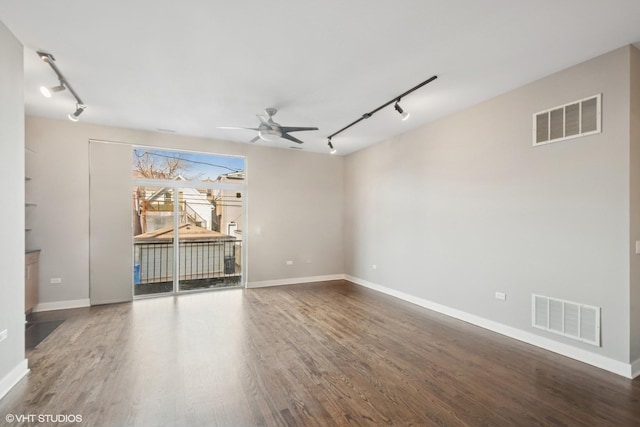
{"points": [[153, 249], [210, 239]]}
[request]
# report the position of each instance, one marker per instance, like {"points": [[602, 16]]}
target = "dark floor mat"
{"points": [[38, 331]]}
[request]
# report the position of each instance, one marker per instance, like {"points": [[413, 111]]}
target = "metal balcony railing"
{"points": [[201, 260]]}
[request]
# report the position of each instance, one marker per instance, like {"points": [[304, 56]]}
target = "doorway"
{"points": [[187, 221]]}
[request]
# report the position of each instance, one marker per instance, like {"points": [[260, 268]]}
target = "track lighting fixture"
{"points": [[331, 149], [397, 107], [400, 111], [48, 91], [74, 116], [64, 84]]}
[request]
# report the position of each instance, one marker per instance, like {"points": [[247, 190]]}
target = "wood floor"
{"points": [[314, 354]]}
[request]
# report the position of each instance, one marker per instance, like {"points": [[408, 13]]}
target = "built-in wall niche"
{"points": [[29, 203], [32, 256]]}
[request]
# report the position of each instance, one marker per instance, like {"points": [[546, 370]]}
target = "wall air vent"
{"points": [[573, 320], [579, 118]]}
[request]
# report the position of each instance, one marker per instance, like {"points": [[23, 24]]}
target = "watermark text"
{"points": [[43, 418]]}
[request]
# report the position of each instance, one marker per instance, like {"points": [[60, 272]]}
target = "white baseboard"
{"points": [[635, 368], [13, 377], [599, 361], [118, 300], [293, 281], [61, 305]]}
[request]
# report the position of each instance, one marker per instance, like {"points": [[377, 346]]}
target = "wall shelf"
{"points": [[26, 180], [32, 261]]}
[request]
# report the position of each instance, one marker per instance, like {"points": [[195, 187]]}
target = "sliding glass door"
{"points": [[187, 231]]}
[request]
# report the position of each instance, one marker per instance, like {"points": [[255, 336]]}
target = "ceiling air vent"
{"points": [[568, 121], [573, 320]]}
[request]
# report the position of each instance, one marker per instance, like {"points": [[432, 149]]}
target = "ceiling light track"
{"points": [[398, 108], [64, 84]]}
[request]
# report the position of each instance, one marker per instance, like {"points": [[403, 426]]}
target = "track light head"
{"points": [[46, 57], [332, 150], [48, 91], [400, 111], [74, 116]]}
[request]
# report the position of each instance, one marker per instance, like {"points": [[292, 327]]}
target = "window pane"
{"points": [[165, 164]]}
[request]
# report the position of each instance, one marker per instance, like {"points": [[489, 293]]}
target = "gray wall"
{"points": [[464, 207], [294, 212], [635, 203], [12, 189]]}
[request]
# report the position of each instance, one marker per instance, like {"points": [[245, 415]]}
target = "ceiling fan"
{"points": [[268, 130]]}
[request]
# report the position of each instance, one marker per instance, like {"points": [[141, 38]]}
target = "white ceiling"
{"points": [[193, 65]]}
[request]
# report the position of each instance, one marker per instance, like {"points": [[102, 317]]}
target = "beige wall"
{"points": [[12, 225], [464, 207], [304, 225]]}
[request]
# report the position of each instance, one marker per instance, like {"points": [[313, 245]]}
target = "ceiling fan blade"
{"points": [[255, 139], [291, 138], [235, 128], [286, 129]]}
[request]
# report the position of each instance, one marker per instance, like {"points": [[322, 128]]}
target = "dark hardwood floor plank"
{"points": [[318, 354]]}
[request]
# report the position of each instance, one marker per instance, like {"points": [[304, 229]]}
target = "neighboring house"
{"points": [[155, 207], [229, 205]]}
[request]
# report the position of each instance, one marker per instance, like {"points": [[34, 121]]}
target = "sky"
{"points": [[201, 165]]}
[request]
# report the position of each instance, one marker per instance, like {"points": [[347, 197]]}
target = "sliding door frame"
{"points": [[175, 186]]}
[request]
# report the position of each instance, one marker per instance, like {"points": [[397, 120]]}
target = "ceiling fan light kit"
{"points": [[64, 84], [270, 135]]}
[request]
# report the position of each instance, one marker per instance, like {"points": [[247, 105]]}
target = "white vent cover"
{"points": [[579, 118], [573, 320]]}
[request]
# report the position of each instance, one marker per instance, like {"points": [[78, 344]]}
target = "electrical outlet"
{"points": [[374, 266], [501, 296], [3, 335], [289, 262], [55, 280]]}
